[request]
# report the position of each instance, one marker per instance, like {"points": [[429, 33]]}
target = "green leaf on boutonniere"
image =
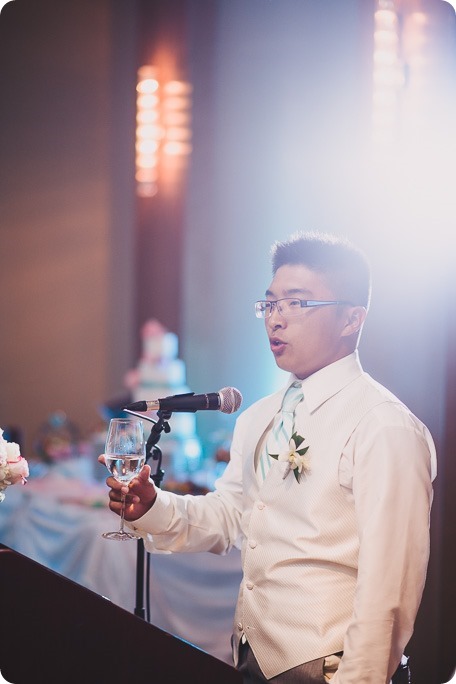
{"points": [[298, 440], [294, 457]]}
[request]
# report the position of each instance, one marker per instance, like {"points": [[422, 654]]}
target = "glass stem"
{"points": [[122, 511]]}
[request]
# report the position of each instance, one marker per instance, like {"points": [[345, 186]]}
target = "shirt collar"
{"points": [[328, 381]]}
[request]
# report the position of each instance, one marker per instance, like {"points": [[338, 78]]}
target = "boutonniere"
{"points": [[295, 457]]}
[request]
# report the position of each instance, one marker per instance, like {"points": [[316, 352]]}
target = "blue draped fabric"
{"points": [[58, 521]]}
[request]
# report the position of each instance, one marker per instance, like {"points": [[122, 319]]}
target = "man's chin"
{"points": [[283, 365]]}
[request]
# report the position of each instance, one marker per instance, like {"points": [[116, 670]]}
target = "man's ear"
{"points": [[356, 315]]}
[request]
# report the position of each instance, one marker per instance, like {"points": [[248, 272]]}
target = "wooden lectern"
{"points": [[53, 630]]}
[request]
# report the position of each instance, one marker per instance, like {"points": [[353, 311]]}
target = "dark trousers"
{"points": [[307, 673]]}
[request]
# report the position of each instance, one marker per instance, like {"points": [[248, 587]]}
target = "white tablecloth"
{"points": [[58, 521]]}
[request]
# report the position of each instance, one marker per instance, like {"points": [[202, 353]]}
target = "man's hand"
{"points": [[140, 493]]}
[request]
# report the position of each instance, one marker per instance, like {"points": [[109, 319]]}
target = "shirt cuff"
{"points": [[158, 518]]}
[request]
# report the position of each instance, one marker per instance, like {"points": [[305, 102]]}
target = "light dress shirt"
{"points": [[336, 562]]}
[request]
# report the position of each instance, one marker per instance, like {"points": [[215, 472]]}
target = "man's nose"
{"points": [[276, 320]]}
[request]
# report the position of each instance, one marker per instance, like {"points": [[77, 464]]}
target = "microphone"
{"points": [[226, 400]]}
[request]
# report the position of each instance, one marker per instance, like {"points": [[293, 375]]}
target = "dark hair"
{"points": [[343, 264]]}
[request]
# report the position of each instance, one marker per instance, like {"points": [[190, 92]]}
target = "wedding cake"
{"points": [[160, 373]]}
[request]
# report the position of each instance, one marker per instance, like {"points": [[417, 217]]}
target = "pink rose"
{"points": [[12, 451], [17, 466]]}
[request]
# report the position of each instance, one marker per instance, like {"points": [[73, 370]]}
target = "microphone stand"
{"points": [[152, 450]]}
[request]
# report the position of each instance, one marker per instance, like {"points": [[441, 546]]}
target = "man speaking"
{"points": [[328, 490]]}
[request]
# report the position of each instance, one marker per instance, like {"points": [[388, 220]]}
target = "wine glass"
{"points": [[125, 455]]}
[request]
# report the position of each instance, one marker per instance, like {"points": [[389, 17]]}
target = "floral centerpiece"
{"points": [[58, 439], [13, 467]]}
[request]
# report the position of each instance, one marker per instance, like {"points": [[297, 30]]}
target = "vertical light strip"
{"points": [[423, 80], [388, 77], [163, 129], [149, 132], [177, 103]]}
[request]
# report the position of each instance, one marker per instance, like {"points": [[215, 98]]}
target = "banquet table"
{"points": [[58, 519]]}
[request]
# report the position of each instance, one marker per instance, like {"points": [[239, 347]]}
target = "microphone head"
{"points": [[230, 399]]}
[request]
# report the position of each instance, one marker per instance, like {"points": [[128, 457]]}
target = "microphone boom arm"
{"points": [[159, 426]]}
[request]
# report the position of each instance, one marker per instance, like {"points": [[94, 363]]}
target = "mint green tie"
{"points": [[282, 428]]}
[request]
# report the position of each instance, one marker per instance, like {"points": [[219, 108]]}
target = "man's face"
{"points": [[306, 343]]}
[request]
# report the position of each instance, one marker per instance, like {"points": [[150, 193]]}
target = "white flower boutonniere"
{"points": [[295, 457]]}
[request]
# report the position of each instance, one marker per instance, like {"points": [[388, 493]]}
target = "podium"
{"points": [[53, 630]]}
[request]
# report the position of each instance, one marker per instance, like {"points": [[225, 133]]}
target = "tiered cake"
{"points": [[158, 374]]}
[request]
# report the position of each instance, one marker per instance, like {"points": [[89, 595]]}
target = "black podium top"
{"points": [[55, 631]]}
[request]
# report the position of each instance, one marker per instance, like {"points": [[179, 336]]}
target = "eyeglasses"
{"points": [[289, 306]]}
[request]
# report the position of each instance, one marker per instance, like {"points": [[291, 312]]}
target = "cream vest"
{"points": [[300, 554]]}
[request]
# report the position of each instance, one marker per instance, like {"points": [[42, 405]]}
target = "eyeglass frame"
{"points": [[303, 304]]}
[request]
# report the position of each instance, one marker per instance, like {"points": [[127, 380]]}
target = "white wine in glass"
{"points": [[125, 454]]}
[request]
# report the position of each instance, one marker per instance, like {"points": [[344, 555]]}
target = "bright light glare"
{"points": [[150, 131], [414, 152], [177, 88], [385, 18], [149, 85], [147, 101], [147, 146], [174, 148], [147, 116], [177, 102], [178, 134], [178, 118]]}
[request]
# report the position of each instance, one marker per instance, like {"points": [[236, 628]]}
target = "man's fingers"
{"points": [[144, 473], [115, 496]]}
